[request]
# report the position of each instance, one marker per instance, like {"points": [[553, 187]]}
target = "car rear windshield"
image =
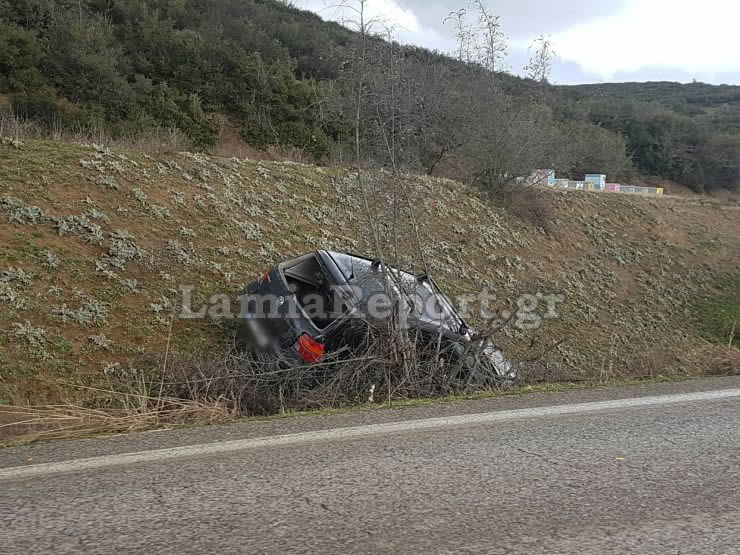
{"points": [[427, 302]]}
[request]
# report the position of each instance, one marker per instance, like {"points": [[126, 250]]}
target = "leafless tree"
{"points": [[540, 64], [493, 47], [381, 108], [464, 34]]}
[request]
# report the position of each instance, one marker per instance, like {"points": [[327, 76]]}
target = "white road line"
{"points": [[353, 433]]}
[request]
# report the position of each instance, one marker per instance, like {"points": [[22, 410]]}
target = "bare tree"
{"points": [[463, 34], [379, 105], [493, 47], [540, 64]]}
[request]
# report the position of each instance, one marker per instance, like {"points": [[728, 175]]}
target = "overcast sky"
{"points": [[595, 40]]}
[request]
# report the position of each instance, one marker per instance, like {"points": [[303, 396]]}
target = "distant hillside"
{"points": [[95, 244], [712, 107], [689, 133], [690, 99]]}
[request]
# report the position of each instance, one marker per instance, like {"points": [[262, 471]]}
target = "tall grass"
{"points": [[152, 140]]}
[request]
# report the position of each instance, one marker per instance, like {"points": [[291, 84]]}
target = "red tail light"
{"points": [[309, 349]]}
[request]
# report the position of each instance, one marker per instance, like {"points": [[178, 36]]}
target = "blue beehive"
{"points": [[598, 180]]}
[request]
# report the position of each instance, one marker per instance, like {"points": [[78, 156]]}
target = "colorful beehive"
{"points": [[597, 179], [635, 190], [543, 177]]}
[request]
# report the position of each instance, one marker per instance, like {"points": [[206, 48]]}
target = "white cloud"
{"points": [[406, 26], [699, 38]]}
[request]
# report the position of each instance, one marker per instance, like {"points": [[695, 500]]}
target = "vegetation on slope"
{"points": [[690, 99], [686, 133], [284, 77], [96, 242]]}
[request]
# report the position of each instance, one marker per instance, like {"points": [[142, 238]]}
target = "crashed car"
{"points": [[308, 308]]}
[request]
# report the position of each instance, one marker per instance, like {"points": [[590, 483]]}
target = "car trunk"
{"points": [[314, 290]]}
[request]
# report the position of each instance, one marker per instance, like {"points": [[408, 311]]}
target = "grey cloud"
{"points": [[564, 72]]}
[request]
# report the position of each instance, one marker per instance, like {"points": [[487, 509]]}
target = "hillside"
{"points": [[231, 73], [689, 99], [95, 243]]}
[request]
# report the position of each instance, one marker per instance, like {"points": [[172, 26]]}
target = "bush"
{"points": [[385, 368], [589, 148], [169, 108], [718, 316], [526, 202], [20, 55], [83, 64]]}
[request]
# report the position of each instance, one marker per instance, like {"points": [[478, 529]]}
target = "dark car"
{"points": [[318, 304]]}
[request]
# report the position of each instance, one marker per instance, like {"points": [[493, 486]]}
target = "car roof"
{"points": [[352, 265]]}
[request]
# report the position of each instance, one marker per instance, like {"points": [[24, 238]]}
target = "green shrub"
{"points": [[20, 55], [170, 108], [718, 315]]}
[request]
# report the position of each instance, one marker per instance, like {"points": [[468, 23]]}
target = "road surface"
{"points": [[648, 469]]}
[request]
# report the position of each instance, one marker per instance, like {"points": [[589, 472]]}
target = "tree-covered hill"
{"points": [[285, 78], [689, 99], [686, 132]]}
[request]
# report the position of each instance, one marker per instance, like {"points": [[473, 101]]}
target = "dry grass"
{"points": [[136, 413], [197, 390], [158, 140], [671, 356], [187, 389], [628, 268], [202, 389]]}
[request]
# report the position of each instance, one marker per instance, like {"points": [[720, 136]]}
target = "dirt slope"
{"points": [[95, 243]]}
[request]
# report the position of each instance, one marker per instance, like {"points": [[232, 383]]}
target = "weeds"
{"points": [[123, 248], [49, 260], [130, 285], [108, 181], [11, 296], [21, 213], [35, 337], [717, 315], [10, 141], [82, 226], [17, 275], [101, 342], [91, 312]]}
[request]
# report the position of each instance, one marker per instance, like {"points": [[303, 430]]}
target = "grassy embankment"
{"points": [[94, 244]]}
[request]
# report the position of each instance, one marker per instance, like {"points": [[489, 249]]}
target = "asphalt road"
{"points": [[651, 469]]}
